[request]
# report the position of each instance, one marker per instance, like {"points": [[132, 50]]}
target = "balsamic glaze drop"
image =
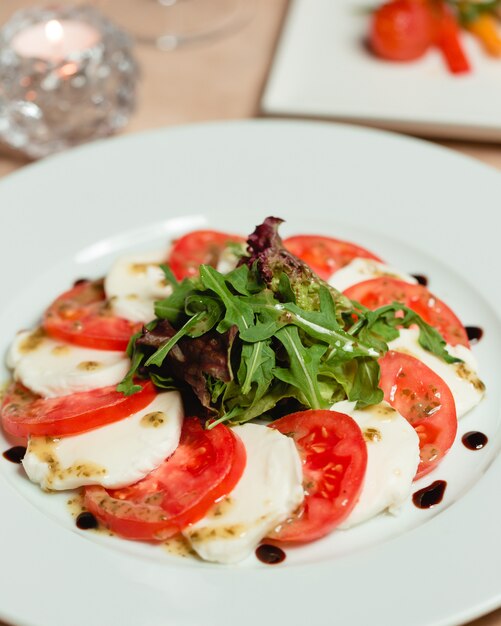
{"points": [[86, 521], [475, 333], [422, 280], [474, 440], [15, 454], [429, 496], [271, 555]]}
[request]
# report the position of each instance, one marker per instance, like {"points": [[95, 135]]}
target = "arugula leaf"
{"points": [[364, 388], [158, 357], [169, 275], [206, 312], [216, 388], [163, 382], [383, 323], [317, 325], [238, 313], [355, 379], [256, 367], [211, 310], [241, 408], [430, 339], [284, 289], [265, 329], [127, 386], [172, 307], [303, 369], [243, 281]]}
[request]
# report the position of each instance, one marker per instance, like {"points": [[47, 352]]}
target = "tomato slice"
{"points": [[81, 316], [206, 466], [426, 402], [334, 457], [378, 292], [200, 247], [325, 255], [24, 413]]}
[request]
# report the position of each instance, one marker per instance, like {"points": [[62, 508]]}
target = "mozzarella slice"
{"points": [[462, 378], [267, 494], [361, 269], [134, 283], [115, 455], [54, 368], [392, 459]]}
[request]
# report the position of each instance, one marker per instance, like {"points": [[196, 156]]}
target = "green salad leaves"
{"points": [[266, 333]]}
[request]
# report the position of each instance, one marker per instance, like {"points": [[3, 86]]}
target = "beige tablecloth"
{"points": [[220, 80]]}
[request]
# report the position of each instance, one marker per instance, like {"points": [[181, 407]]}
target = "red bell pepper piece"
{"points": [[449, 42]]}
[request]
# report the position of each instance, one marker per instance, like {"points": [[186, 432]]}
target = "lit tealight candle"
{"points": [[67, 75], [55, 40]]}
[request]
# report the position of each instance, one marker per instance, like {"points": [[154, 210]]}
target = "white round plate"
{"points": [[421, 208]]}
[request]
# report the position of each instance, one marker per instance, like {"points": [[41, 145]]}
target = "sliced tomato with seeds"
{"points": [[205, 467], [426, 402], [325, 255], [82, 316], [334, 459], [378, 292], [26, 414], [200, 247]]}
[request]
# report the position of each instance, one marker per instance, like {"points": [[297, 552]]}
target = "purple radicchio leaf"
{"points": [[268, 254], [192, 360]]}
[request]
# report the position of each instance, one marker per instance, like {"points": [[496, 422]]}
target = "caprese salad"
{"points": [[231, 391]]}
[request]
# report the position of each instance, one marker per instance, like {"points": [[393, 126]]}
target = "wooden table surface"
{"points": [[220, 80]]}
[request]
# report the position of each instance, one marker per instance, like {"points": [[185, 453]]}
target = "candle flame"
{"points": [[54, 31]]}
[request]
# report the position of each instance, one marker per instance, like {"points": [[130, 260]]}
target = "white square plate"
{"points": [[323, 69]]}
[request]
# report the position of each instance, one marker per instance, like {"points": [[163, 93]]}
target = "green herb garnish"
{"points": [[265, 332]]}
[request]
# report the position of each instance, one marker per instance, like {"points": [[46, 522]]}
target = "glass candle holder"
{"points": [[67, 75]]}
